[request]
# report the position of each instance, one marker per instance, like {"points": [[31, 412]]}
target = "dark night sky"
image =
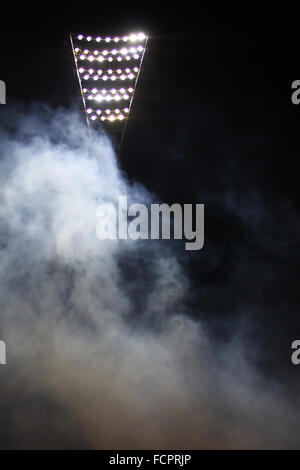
{"points": [[212, 122], [204, 67]]}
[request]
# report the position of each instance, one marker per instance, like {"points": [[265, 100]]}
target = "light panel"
{"points": [[108, 68]]}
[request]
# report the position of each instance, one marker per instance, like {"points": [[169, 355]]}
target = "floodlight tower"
{"points": [[108, 69]]}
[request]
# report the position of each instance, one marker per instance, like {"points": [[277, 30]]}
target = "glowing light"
{"points": [[108, 72]]}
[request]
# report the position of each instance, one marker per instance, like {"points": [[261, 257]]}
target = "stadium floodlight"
{"points": [[113, 85]]}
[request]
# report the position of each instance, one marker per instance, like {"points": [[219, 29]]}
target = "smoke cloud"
{"points": [[103, 351]]}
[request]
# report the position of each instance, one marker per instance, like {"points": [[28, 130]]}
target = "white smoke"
{"points": [[99, 356]]}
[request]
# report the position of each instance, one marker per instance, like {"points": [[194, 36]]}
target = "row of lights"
{"points": [[113, 91], [107, 111], [110, 118], [131, 37], [100, 98], [109, 71], [116, 95], [101, 58], [105, 52], [107, 116], [123, 77]]}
